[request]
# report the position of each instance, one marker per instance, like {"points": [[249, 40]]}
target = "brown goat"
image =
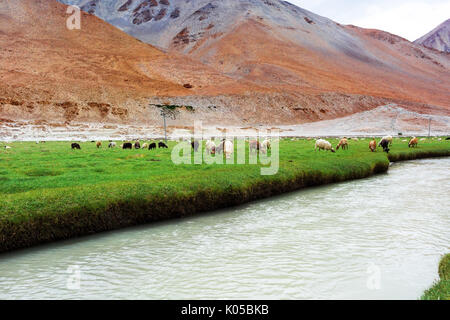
{"points": [[343, 143], [373, 145], [413, 142]]}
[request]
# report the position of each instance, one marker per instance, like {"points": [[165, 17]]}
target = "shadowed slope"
{"points": [[438, 38]]}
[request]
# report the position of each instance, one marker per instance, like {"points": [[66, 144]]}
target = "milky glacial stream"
{"points": [[376, 238]]}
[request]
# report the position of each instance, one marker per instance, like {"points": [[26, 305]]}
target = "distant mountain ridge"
{"points": [[438, 38], [276, 44], [243, 62], [163, 22]]}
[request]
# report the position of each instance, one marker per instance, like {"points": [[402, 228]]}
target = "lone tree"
{"points": [[169, 111]]}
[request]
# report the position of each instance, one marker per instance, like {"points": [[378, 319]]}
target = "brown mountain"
{"points": [[250, 61], [98, 73]]}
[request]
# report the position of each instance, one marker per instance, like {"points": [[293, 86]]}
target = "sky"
{"points": [[409, 19]]}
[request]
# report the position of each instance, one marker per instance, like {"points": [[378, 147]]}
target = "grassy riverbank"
{"points": [[441, 289], [49, 192]]}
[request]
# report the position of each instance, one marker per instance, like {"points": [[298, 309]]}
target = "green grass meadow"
{"points": [[441, 289], [50, 192]]}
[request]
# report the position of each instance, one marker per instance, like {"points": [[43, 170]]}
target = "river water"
{"points": [[377, 238]]}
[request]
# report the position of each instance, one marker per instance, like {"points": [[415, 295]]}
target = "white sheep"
{"points": [[266, 144], [228, 148], [388, 138], [210, 147], [323, 145]]}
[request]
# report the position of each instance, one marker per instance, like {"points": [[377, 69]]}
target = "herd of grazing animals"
{"points": [[385, 142], [126, 145], [262, 147], [227, 147]]}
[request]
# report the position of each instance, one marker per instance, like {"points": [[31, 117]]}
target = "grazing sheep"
{"points": [[127, 145], [228, 148], [324, 145], [99, 144], [266, 145], [373, 145], [152, 146], [162, 145], [440, 139], [423, 139], [195, 144], [210, 147], [7, 147], [145, 146], [384, 143], [413, 142], [111, 145], [137, 145], [355, 139], [343, 143], [220, 147], [388, 138], [75, 146], [254, 145]]}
